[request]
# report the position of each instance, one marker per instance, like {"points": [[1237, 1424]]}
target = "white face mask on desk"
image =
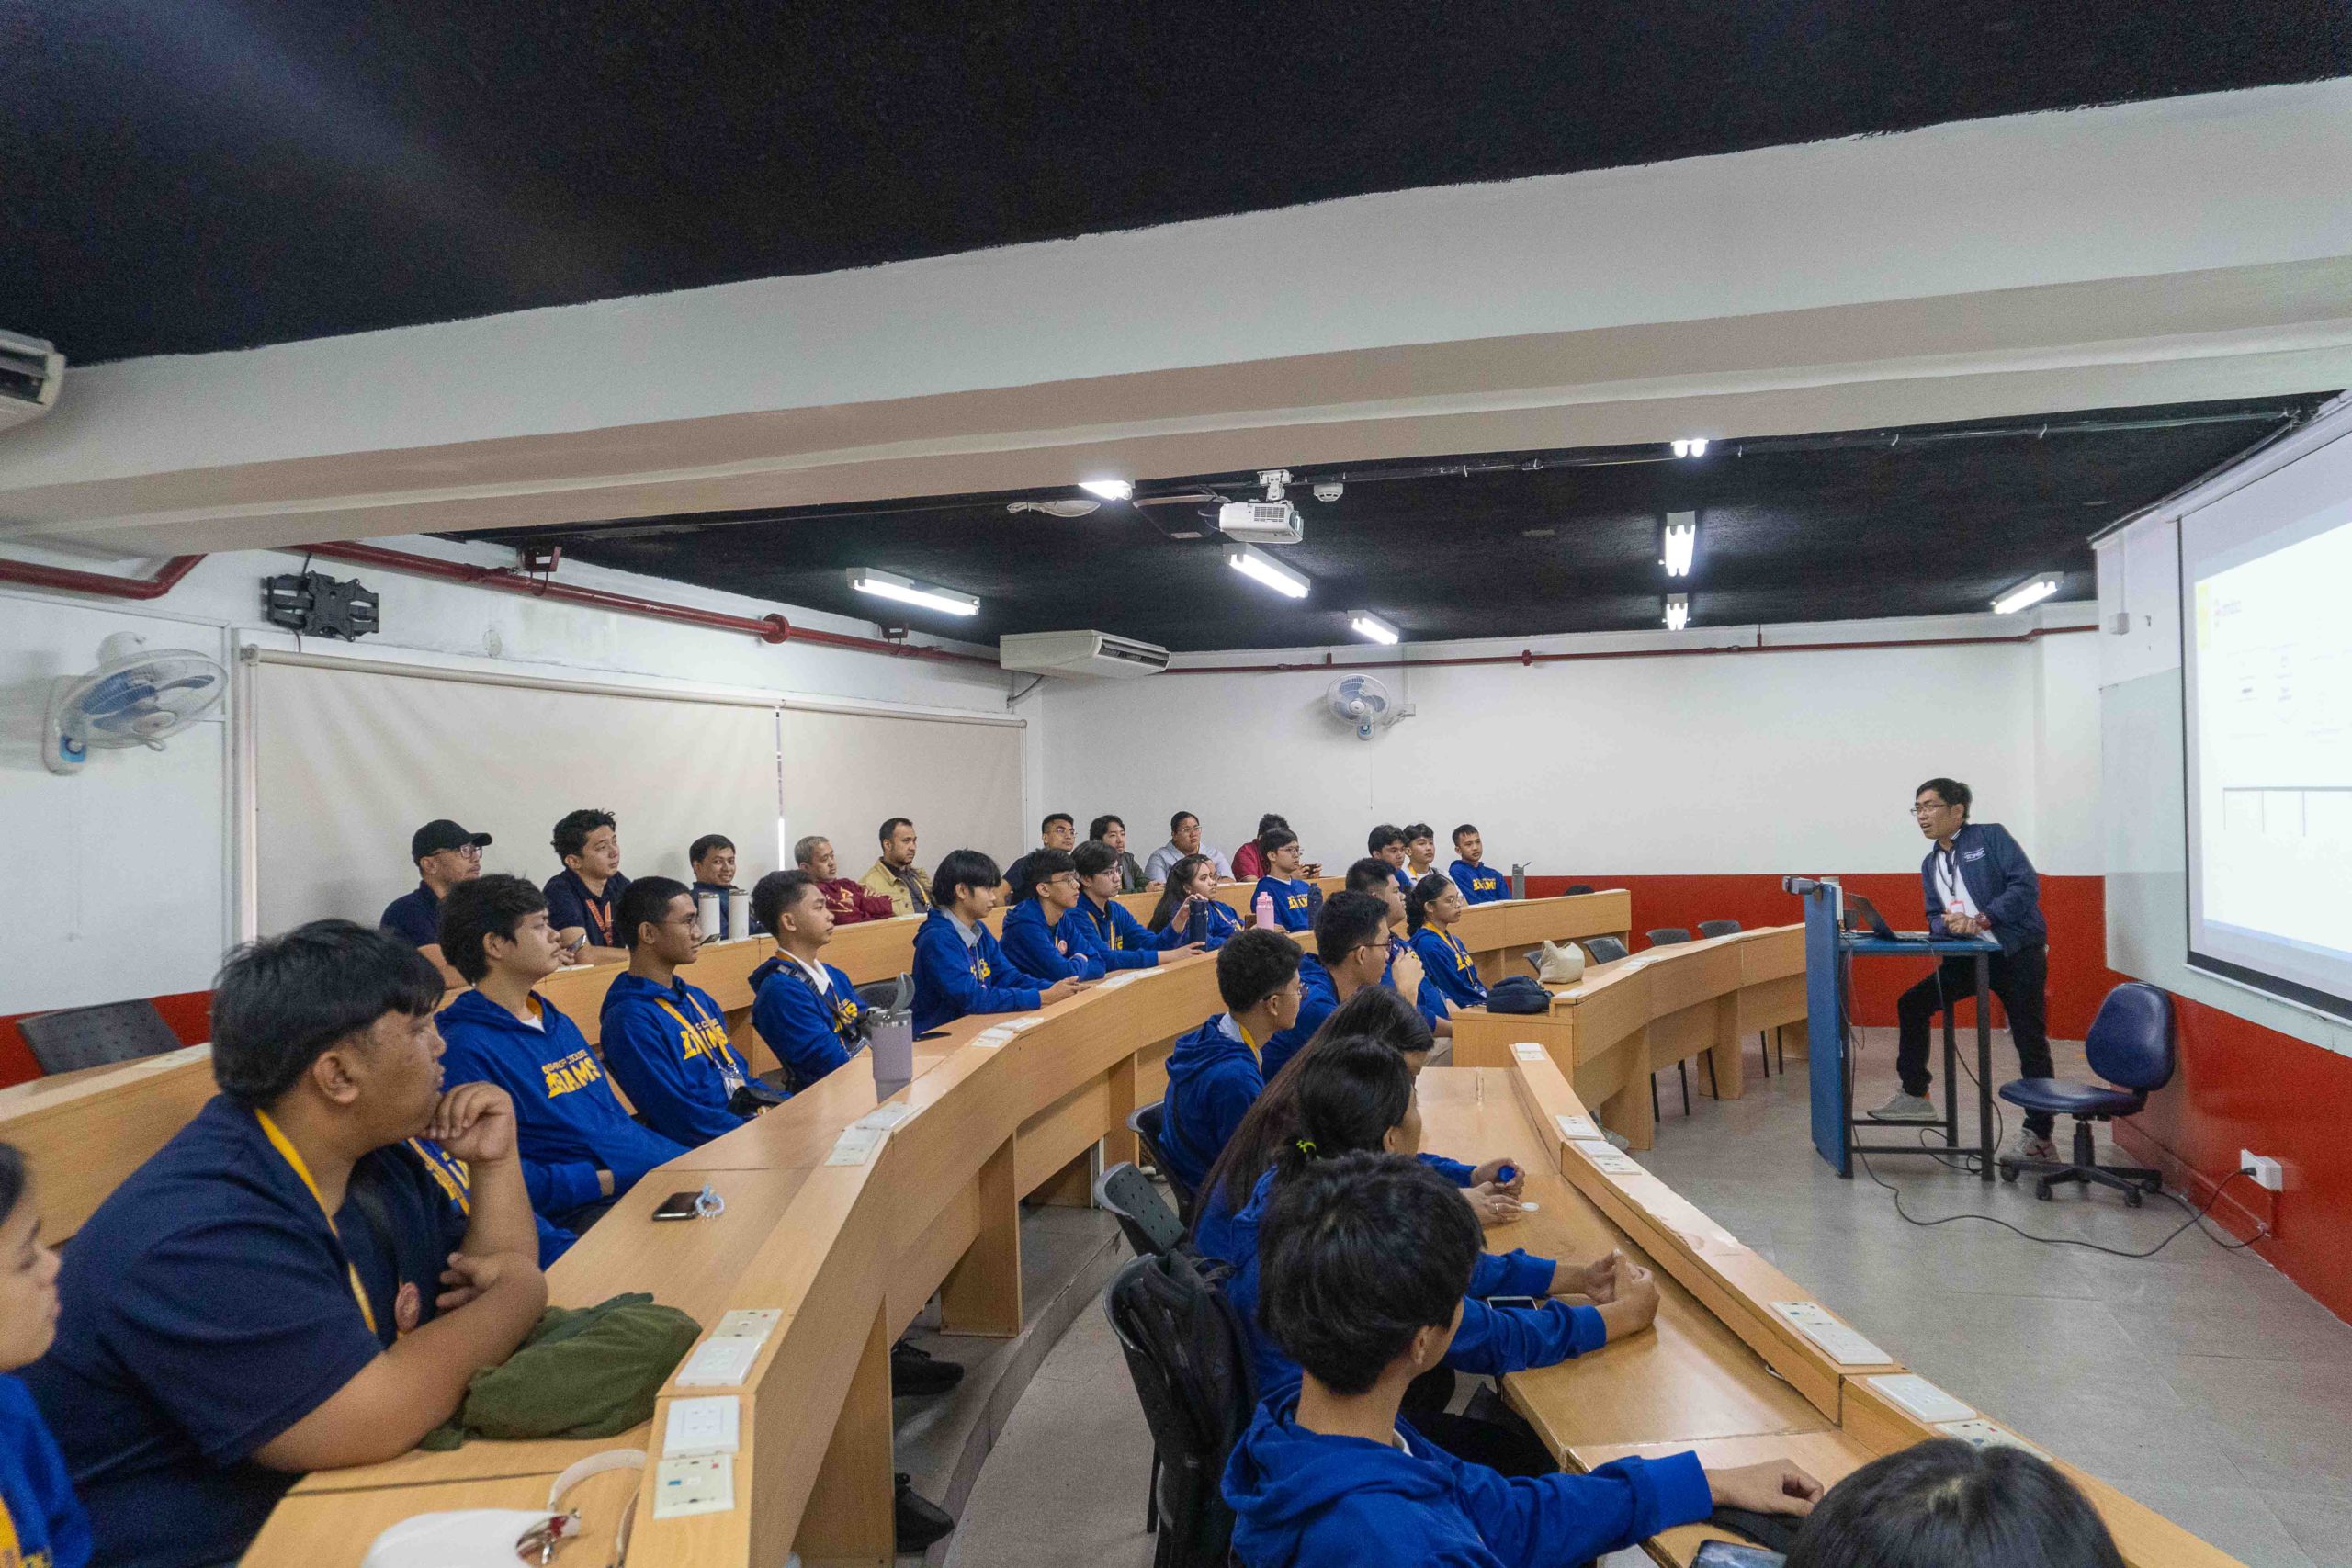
{"points": [[501, 1537]]}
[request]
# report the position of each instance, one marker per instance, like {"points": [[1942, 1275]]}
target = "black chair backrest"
{"points": [[1189, 1358], [2130, 1042], [1135, 1202], [1603, 949], [1576, 887], [1145, 1122], [882, 993], [1666, 936], [1717, 928], [96, 1037]]}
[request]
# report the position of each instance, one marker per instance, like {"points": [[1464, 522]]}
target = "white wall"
{"points": [[1753, 761], [139, 847]]}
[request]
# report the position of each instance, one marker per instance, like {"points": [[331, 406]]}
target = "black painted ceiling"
{"points": [[179, 176], [1929, 520]]}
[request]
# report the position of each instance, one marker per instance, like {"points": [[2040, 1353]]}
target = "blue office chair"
{"points": [[2131, 1044], [1603, 949]]}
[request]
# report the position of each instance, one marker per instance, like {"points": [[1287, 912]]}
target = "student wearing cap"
{"points": [[446, 854], [580, 1149], [896, 876], [665, 1041], [713, 858], [1108, 830], [584, 898], [1214, 1073], [959, 967], [1184, 838], [1293, 899], [281, 1287], [850, 901], [1480, 884]]}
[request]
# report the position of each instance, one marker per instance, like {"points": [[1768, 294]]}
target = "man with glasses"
{"points": [[1184, 838], [446, 854], [1351, 952], [1035, 940], [1978, 884]]}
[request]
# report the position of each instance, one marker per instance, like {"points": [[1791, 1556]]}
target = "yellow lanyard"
{"points": [[450, 1173], [285, 1146], [703, 1025], [11, 1554]]}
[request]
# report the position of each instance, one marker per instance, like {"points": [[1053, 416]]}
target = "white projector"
{"points": [[1259, 522]]}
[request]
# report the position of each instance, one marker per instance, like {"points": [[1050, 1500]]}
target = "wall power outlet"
{"points": [[2267, 1171]]}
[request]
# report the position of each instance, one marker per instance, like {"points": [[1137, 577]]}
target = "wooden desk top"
{"points": [[1828, 1457], [1690, 1378], [338, 1528]]}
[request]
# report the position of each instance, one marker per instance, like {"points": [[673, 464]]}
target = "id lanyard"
{"points": [[1102, 926], [704, 1026], [293, 1157], [449, 1173], [604, 920], [11, 1554], [1948, 879]]}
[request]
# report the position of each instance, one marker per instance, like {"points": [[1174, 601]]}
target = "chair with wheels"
{"points": [[1145, 1121], [1131, 1198], [1189, 1359], [2131, 1045]]}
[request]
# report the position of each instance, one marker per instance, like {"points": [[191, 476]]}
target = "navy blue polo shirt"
{"points": [[570, 904], [206, 1308], [415, 916]]}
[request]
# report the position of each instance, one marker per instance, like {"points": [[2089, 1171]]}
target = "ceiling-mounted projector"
{"points": [[1259, 522]]}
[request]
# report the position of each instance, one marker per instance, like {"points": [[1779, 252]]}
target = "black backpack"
{"points": [[1189, 1357]]}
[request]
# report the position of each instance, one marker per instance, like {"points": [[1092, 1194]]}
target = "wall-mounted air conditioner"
{"points": [[31, 373], [1079, 653]]}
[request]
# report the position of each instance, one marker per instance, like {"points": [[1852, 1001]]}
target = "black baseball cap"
{"points": [[442, 834]]}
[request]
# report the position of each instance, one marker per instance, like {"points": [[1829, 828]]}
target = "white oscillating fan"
{"points": [[133, 698], [1363, 702]]}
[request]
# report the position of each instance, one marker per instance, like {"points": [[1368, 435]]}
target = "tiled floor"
{"points": [[2202, 1381]]}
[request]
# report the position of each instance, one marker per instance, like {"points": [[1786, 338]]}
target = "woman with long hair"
{"points": [[1449, 975], [1192, 882]]}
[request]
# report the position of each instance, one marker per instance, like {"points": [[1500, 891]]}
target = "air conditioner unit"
{"points": [[1259, 522], [31, 373], [1079, 653]]}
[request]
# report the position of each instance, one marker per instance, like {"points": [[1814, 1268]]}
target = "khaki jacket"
{"points": [[880, 878]]}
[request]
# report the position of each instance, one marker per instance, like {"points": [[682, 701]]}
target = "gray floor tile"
{"points": [[2321, 1526], [2236, 1520]]}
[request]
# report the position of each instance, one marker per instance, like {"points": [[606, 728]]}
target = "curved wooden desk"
{"points": [[1640, 1015]]}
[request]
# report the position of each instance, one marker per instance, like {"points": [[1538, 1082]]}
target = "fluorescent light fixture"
{"points": [[1681, 539], [1364, 624], [2033, 590], [1690, 446], [1677, 611], [1252, 561], [907, 590], [1109, 490]]}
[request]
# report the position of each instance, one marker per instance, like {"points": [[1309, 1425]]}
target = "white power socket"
{"points": [[2268, 1173], [683, 1486]]}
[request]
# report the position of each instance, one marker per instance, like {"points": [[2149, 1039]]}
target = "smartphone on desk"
{"points": [[678, 1206], [1524, 1303], [1732, 1555]]}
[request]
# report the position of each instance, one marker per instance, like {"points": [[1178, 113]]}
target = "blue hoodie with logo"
{"points": [[1115, 938], [1319, 998], [1054, 951], [1294, 901], [1492, 1340], [1305, 1499], [953, 976], [810, 1034], [1213, 1080], [1480, 884], [668, 1048], [568, 1122]]}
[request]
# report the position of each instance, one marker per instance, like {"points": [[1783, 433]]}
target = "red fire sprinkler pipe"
{"points": [[767, 628], [102, 583]]}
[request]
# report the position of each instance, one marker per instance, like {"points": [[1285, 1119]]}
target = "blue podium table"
{"points": [[1830, 956]]}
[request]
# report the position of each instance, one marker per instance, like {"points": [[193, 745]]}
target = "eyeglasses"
{"points": [[1930, 807], [1064, 879]]}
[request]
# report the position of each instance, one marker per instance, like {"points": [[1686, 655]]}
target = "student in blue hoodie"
{"points": [[1385, 844], [1192, 892], [1355, 1094], [1367, 1260], [806, 1010], [1214, 1075], [1294, 898], [959, 968], [1110, 935], [1351, 952], [1041, 938], [1480, 884], [39, 1516], [1449, 975], [665, 1043], [580, 1149]]}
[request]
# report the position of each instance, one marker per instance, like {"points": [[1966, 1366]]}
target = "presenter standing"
{"points": [[1978, 882]]}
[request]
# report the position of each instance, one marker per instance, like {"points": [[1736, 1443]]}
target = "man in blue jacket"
{"points": [[665, 1041], [1039, 936], [1102, 925], [1213, 1075], [806, 1010], [1332, 1477], [1351, 952], [959, 968], [1480, 883], [1977, 883], [580, 1149]]}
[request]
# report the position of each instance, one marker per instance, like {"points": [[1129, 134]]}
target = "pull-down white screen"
{"points": [[2266, 585]]}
